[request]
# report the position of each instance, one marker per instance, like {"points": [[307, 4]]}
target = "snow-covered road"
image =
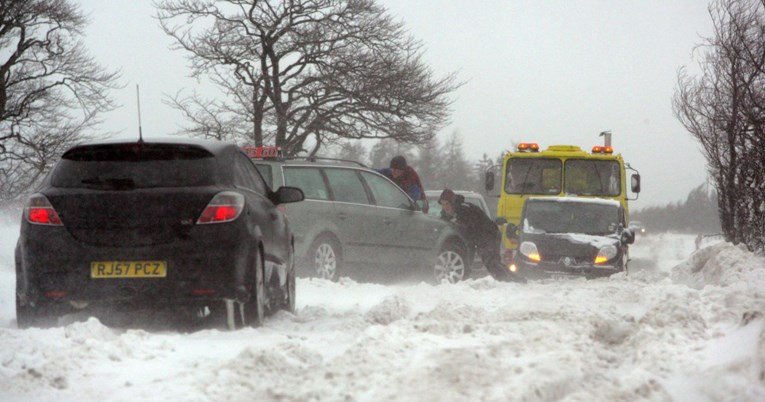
{"points": [[679, 328]]}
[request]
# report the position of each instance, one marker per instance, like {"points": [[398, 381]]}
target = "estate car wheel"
{"points": [[289, 304], [326, 258], [451, 265]]}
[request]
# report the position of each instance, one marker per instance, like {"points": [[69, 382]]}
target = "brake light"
{"points": [[528, 146], [40, 212], [224, 207], [55, 294]]}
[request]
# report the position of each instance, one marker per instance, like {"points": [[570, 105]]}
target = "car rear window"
{"points": [[126, 166], [267, 172]]}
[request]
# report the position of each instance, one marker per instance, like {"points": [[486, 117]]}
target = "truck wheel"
{"points": [[451, 265], [325, 257]]}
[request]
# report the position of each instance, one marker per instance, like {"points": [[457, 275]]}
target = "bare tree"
{"points": [[51, 91], [723, 109], [314, 70]]}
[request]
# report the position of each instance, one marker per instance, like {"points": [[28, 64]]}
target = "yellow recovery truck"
{"points": [[559, 170]]}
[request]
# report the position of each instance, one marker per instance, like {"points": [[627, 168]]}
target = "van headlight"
{"points": [[605, 254], [529, 249]]}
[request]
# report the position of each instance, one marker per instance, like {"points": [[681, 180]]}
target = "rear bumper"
{"points": [[209, 263]]}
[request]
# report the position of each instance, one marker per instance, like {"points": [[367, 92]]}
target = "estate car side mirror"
{"points": [[489, 181], [286, 195], [635, 182]]}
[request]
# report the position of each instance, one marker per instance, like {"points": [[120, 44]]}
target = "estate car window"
{"points": [[386, 193], [309, 180], [346, 186], [533, 176]]}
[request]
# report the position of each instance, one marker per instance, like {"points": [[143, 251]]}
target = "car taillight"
{"points": [[224, 207], [39, 211]]}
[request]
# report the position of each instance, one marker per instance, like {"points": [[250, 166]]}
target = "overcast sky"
{"points": [[552, 72]]}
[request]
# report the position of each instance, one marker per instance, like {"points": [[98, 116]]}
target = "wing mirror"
{"points": [[511, 231], [628, 236], [489, 181], [635, 183], [286, 195]]}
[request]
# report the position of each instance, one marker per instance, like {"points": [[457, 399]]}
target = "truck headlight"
{"points": [[529, 249], [605, 254]]}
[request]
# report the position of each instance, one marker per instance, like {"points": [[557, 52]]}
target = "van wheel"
{"points": [[450, 265], [326, 258]]}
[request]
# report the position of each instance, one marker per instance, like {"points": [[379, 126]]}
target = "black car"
{"points": [[355, 222], [180, 223], [562, 236]]}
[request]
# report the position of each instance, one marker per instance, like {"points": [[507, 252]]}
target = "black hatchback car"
{"points": [[564, 236], [151, 224]]}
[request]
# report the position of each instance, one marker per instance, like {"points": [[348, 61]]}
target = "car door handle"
{"points": [[387, 221], [342, 215]]}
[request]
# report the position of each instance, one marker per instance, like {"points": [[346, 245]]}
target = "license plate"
{"points": [[128, 269]]}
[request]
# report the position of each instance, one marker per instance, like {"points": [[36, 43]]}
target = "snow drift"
{"points": [[681, 326]]}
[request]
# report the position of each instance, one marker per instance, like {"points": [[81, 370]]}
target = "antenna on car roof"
{"points": [[138, 99]]}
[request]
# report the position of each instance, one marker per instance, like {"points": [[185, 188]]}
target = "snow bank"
{"points": [[678, 327], [722, 264]]}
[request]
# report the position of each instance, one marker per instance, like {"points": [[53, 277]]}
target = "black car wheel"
{"points": [[28, 316], [450, 265], [326, 257], [255, 307], [251, 311]]}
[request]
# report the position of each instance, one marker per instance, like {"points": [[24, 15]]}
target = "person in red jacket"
{"points": [[407, 179]]}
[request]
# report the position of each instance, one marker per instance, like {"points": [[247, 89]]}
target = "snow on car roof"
{"points": [[601, 201]]}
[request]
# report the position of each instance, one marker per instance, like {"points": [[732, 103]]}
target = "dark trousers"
{"points": [[488, 250]]}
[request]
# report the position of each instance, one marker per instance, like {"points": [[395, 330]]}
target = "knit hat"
{"points": [[398, 162], [447, 195]]}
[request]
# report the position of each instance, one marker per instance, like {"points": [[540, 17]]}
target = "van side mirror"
{"points": [[628, 236], [489, 181], [635, 182], [511, 231]]}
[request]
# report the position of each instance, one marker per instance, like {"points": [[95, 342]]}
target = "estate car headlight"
{"points": [[529, 249], [605, 254]]}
